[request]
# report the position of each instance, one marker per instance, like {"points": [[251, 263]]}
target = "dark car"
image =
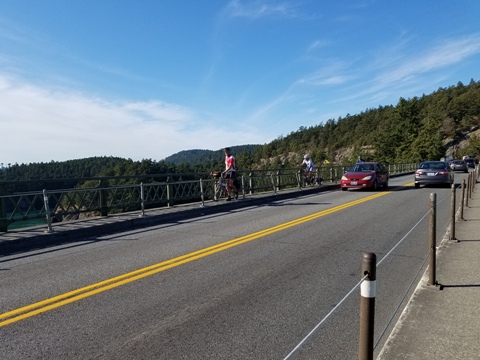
{"points": [[365, 175], [459, 165], [433, 172], [470, 163]]}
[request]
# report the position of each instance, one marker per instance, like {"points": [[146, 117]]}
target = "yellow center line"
{"points": [[90, 290]]}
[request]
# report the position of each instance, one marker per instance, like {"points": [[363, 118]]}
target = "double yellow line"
{"points": [[28, 311]]}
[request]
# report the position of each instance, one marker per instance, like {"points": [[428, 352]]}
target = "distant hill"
{"points": [[197, 156]]}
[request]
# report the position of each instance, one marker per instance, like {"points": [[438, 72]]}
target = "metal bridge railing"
{"points": [[66, 204]]}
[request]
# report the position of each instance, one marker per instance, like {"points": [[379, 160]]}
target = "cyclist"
{"points": [[230, 173], [309, 168]]}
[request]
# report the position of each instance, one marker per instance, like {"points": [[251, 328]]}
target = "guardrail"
{"points": [[146, 192]]}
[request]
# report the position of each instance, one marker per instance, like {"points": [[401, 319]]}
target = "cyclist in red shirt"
{"points": [[230, 172]]}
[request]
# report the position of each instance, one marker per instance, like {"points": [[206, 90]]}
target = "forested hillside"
{"points": [[446, 122]]}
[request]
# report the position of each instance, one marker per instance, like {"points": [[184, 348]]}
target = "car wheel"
{"points": [[375, 185], [385, 185], [417, 186]]}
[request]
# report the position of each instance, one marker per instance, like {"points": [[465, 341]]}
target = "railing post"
{"points": [[273, 184], [170, 196], [433, 239], [463, 199], [103, 198], [3, 208], [142, 199], [201, 193], [452, 209], [243, 186], [250, 183], [367, 306], [47, 211]]}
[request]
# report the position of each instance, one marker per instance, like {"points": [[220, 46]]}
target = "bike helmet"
{"points": [[306, 156]]}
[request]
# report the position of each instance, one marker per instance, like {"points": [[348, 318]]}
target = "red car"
{"points": [[365, 175]]}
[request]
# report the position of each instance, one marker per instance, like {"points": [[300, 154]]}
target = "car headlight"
{"points": [[344, 177], [369, 177]]}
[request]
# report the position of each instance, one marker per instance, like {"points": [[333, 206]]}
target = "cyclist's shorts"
{"points": [[230, 175]]}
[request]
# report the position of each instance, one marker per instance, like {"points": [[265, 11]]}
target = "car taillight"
{"points": [[419, 172], [442, 172]]}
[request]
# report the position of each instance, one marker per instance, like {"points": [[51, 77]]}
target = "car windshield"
{"points": [[362, 167], [458, 162], [432, 165]]}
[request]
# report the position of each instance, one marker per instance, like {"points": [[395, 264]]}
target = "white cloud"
{"points": [[403, 70], [261, 8], [11, 32], [40, 125], [447, 53], [331, 74], [318, 44]]}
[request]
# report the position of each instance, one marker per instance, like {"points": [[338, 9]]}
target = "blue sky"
{"points": [[144, 79]]}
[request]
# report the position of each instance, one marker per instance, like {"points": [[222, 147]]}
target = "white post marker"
{"points": [[367, 306]]}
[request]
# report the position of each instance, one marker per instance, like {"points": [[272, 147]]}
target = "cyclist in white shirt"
{"points": [[309, 168]]}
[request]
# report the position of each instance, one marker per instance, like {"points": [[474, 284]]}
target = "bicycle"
{"points": [[307, 178], [221, 188]]}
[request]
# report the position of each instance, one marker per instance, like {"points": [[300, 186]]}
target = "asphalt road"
{"points": [[250, 283]]}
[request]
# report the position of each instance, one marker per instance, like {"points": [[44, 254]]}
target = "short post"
{"points": [[433, 240], [474, 180], [452, 209], [47, 211], [463, 200], [470, 178], [466, 191], [367, 306]]}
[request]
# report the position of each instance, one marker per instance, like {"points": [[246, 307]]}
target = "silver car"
{"points": [[459, 165], [433, 172]]}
